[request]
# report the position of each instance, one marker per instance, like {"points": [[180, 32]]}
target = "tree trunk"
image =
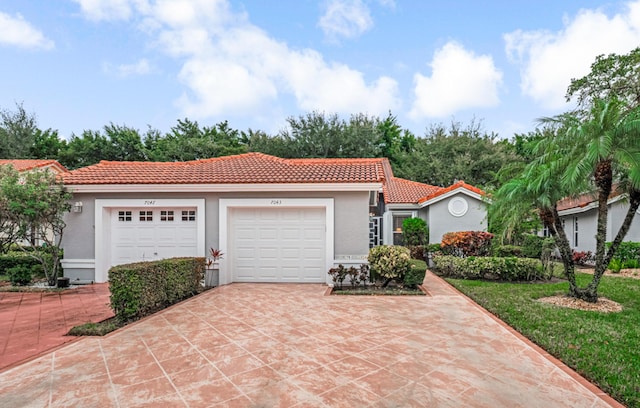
{"points": [[552, 221]]}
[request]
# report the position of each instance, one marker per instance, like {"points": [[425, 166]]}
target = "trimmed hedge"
{"points": [[532, 246], [12, 260], [467, 243], [143, 288], [389, 261], [507, 269], [502, 251]]}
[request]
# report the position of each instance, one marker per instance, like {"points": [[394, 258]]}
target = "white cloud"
{"points": [[345, 18], [230, 66], [15, 31], [459, 80], [549, 60], [142, 67], [109, 10]]}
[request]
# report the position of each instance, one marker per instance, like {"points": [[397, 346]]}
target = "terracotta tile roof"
{"points": [[397, 190], [30, 164], [249, 168], [459, 184], [584, 200]]}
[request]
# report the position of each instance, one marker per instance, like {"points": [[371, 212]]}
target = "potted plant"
{"points": [[212, 274]]}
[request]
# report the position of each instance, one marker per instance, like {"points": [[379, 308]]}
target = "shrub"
{"points": [[627, 251], [390, 262], [582, 257], [413, 277], [507, 250], [532, 246], [467, 243], [631, 264], [414, 232], [13, 259], [140, 289], [433, 248], [417, 252], [19, 275], [356, 276], [507, 268], [615, 265]]}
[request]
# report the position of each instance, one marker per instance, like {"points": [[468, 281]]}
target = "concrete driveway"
{"points": [[288, 345]]}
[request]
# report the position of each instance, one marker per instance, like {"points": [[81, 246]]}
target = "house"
{"points": [[580, 220], [34, 164], [275, 220]]}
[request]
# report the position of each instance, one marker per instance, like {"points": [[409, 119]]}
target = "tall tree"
{"points": [[447, 154], [602, 148], [17, 133], [35, 203], [611, 76]]}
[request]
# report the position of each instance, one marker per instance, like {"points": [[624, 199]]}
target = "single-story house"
{"points": [[34, 164], [580, 220], [275, 220]]}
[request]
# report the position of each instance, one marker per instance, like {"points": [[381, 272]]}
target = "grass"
{"points": [[605, 348], [97, 329]]}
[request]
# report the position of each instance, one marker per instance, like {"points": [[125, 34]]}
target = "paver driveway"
{"points": [[287, 345]]}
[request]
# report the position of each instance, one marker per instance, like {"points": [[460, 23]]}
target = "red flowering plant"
{"points": [[214, 256]]}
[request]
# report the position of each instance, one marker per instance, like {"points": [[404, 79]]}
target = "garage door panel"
{"points": [[286, 244], [155, 235]]}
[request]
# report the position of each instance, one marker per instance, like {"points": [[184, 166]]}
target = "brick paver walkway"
{"points": [[34, 322], [288, 345]]}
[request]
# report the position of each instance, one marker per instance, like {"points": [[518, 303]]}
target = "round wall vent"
{"points": [[458, 206]]}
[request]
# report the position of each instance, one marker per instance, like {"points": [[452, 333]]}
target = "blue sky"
{"points": [[81, 64]]}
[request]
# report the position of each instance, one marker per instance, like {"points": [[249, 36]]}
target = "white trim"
{"points": [[452, 193], [220, 188], [78, 263], [226, 203], [591, 205], [103, 225], [402, 207]]}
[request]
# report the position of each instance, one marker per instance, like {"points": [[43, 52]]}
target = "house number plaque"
{"points": [[276, 202]]}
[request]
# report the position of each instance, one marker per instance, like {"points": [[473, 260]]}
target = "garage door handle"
{"points": [[155, 253]]}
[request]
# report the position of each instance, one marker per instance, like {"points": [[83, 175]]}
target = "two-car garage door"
{"points": [[277, 244]]}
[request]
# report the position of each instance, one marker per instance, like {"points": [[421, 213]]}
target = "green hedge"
{"points": [[532, 246], [502, 251], [140, 289], [627, 251], [508, 268], [19, 259]]}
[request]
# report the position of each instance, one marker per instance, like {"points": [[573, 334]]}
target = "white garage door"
{"points": [[277, 244], [147, 234]]}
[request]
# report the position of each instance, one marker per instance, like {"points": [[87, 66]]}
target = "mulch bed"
{"points": [[375, 290], [603, 305]]}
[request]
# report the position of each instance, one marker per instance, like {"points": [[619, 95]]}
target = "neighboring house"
{"points": [[275, 220], [580, 220], [34, 164], [23, 165]]}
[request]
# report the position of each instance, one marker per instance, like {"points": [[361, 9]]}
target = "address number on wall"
{"points": [[276, 202]]}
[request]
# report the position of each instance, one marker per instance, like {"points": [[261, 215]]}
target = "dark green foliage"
{"points": [[414, 232], [414, 277], [532, 246], [140, 289], [627, 251], [506, 269], [417, 251], [12, 260], [433, 248], [19, 275], [507, 251]]}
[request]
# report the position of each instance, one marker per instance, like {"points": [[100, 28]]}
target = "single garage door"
{"points": [[277, 244], [147, 234]]}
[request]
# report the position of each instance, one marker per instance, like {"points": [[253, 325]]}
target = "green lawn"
{"points": [[605, 348]]}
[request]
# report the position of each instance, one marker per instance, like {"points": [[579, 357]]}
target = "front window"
{"points": [[397, 228], [189, 215]]}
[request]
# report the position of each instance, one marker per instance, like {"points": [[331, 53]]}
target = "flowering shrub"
{"points": [[467, 243], [508, 269], [582, 257], [390, 262]]}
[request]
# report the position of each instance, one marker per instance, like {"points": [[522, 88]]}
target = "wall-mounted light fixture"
{"points": [[77, 207]]}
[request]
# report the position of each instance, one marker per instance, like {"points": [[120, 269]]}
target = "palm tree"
{"points": [[602, 148]]}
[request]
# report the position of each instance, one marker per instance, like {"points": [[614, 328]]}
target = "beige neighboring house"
{"points": [[23, 165]]}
